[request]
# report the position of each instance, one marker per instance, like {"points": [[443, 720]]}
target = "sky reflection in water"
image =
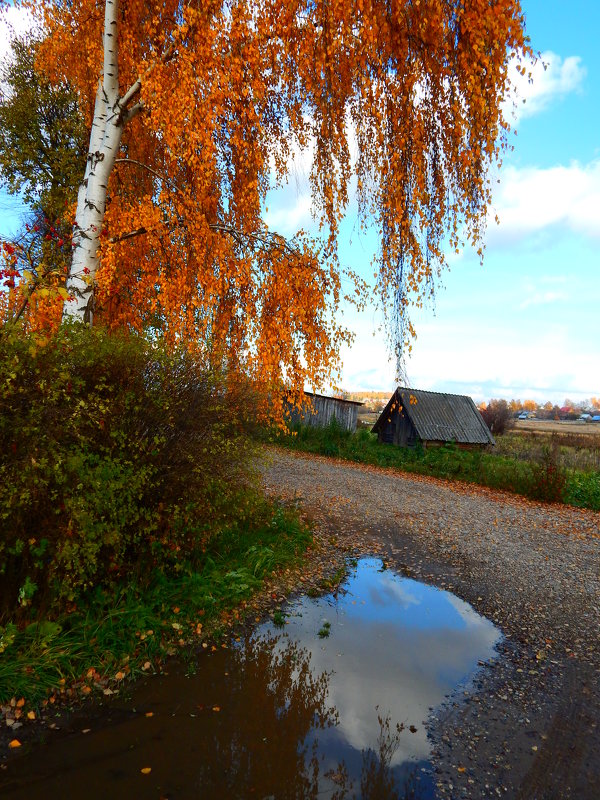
{"points": [[396, 648], [283, 715]]}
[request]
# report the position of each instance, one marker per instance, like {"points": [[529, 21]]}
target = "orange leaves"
{"points": [[417, 86]]}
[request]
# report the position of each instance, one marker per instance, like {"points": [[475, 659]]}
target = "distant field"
{"points": [[368, 417], [522, 425], [557, 426]]}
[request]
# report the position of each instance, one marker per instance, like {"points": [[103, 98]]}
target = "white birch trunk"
{"points": [[110, 116]]}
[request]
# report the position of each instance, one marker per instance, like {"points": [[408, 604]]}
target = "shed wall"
{"points": [[323, 410]]}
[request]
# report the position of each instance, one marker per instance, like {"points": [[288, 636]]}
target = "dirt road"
{"points": [[530, 728]]}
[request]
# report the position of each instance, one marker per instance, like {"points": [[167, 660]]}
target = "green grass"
{"points": [[324, 631], [120, 630], [541, 478]]}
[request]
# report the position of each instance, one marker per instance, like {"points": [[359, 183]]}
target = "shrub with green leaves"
{"points": [[117, 456]]}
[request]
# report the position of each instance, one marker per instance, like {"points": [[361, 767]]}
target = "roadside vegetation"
{"points": [[542, 472], [130, 516]]}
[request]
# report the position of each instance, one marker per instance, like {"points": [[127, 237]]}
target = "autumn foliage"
{"points": [[399, 102], [118, 456]]}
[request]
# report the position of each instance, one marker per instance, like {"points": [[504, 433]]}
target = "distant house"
{"points": [[318, 411], [432, 418]]}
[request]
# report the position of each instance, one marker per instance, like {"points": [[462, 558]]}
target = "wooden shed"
{"points": [[432, 418], [318, 411]]}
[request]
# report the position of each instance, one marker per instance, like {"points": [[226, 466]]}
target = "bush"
{"points": [[497, 416], [117, 456], [549, 478], [583, 489]]}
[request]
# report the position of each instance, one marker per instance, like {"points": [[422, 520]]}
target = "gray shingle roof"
{"points": [[442, 417]]}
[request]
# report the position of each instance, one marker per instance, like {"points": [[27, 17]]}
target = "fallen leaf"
{"points": [[119, 676], [147, 666], [146, 770], [461, 769], [149, 713], [86, 730], [21, 702], [14, 743], [31, 715], [216, 708]]}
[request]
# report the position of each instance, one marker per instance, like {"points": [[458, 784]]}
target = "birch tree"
{"points": [[198, 111]]}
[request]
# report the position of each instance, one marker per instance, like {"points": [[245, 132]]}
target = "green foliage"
{"points": [[583, 489], [43, 146], [42, 134], [279, 618], [540, 477], [117, 457], [139, 619], [324, 631]]}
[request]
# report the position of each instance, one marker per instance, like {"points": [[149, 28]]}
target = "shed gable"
{"points": [[436, 417]]}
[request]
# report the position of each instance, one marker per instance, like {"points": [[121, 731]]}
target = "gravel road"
{"points": [[530, 727]]}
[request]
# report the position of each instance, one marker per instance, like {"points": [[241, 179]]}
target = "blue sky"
{"points": [[527, 324]]}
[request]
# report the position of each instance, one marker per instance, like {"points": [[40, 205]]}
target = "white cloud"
{"points": [[550, 78], [289, 209], [14, 22], [542, 299], [533, 199], [542, 360], [543, 291]]}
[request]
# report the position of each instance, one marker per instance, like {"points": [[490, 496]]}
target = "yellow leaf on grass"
{"points": [[31, 715]]}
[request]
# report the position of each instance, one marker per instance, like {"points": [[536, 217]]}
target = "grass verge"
{"points": [[128, 630], [541, 479]]}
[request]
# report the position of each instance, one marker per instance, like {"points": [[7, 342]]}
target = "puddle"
{"points": [[306, 710]]}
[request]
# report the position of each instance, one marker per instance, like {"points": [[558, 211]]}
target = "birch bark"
{"points": [[110, 116]]}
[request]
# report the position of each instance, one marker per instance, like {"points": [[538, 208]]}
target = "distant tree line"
{"points": [[499, 415]]}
